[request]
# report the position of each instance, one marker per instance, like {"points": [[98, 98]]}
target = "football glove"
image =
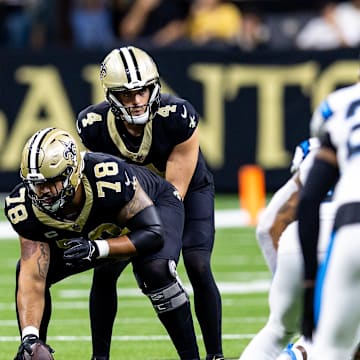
{"points": [[80, 251], [302, 151], [308, 318], [26, 344]]}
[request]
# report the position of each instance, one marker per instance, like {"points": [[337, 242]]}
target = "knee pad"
{"points": [[168, 298]]}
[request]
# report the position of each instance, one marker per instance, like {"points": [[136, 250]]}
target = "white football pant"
{"points": [[285, 296], [339, 319]]}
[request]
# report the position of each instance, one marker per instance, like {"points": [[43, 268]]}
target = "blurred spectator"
{"points": [[23, 23], [213, 20], [336, 26], [154, 20], [90, 22], [253, 33], [206, 21], [349, 18], [284, 27], [61, 23], [119, 8]]}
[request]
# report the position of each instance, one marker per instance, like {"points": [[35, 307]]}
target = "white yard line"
{"points": [[243, 287], [124, 338], [76, 296]]}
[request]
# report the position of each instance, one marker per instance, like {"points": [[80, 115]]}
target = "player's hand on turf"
{"points": [[26, 346], [80, 251], [308, 318]]}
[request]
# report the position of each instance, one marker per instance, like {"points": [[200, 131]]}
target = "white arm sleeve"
{"points": [[267, 219]]}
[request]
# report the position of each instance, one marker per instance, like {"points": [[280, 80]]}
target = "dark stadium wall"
{"points": [[255, 107]]}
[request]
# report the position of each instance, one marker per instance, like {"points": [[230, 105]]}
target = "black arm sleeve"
{"points": [[322, 177], [146, 230]]}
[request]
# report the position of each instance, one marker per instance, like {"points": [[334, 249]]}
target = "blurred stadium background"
{"points": [[255, 98]]}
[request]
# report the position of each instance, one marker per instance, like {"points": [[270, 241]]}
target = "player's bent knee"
{"points": [[168, 298]]}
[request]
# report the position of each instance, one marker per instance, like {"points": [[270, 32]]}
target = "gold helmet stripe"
{"points": [[130, 64], [35, 145]]}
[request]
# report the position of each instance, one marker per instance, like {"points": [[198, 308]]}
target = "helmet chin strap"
{"points": [[120, 110], [54, 207], [131, 119], [62, 197], [136, 120]]}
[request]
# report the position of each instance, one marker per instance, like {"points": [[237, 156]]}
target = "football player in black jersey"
{"points": [[144, 126], [75, 212]]}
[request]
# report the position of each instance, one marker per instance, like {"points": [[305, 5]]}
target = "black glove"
{"points": [[80, 251], [308, 318], [25, 346]]}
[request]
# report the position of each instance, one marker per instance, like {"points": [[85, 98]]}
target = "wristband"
{"points": [[103, 247], [29, 330]]}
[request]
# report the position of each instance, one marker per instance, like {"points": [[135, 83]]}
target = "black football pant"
{"points": [[103, 307], [198, 243]]}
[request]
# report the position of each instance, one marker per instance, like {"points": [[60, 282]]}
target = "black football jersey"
{"points": [[174, 123], [109, 184]]}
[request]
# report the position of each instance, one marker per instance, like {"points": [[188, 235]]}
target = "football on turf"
{"points": [[40, 352]]}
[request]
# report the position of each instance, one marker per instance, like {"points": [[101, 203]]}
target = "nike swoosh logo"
{"points": [[127, 180], [184, 114]]}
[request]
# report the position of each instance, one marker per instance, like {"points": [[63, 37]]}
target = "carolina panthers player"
{"points": [[276, 216], [336, 318], [144, 126], [334, 102], [74, 213], [277, 230]]}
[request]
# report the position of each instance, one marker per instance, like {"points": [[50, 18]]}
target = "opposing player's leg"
{"points": [[337, 287], [198, 241], [103, 307], [284, 302], [302, 348]]}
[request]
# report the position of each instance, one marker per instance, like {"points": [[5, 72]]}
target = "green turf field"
{"points": [[239, 270]]}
